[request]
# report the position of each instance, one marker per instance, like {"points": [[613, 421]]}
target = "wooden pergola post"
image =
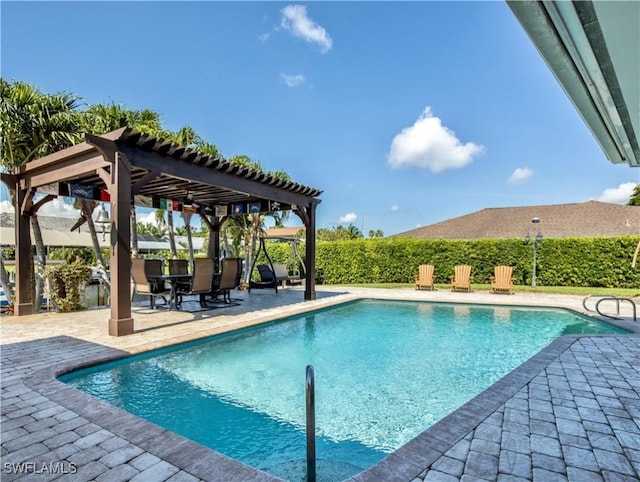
{"points": [[308, 217], [118, 182], [23, 303], [120, 322]]}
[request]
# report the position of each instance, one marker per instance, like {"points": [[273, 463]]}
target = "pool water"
{"points": [[385, 371]]}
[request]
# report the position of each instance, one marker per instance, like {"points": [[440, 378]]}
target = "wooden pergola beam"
{"points": [[195, 173]]}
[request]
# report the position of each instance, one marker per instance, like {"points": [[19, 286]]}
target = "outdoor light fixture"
{"points": [[536, 239], [103, 220]]}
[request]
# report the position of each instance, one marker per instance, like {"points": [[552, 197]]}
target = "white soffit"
{"points": [[593, 49]]}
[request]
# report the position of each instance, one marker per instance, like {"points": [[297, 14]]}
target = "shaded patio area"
{"points": [[128, 168], [568, 413]]}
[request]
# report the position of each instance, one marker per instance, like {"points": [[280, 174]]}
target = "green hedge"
{"points": [[595, 262]]}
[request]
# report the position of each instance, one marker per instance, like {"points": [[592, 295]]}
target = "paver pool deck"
{"points": [[571, 412]]}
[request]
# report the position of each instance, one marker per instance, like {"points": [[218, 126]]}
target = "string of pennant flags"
{"points": [[99, 194]]}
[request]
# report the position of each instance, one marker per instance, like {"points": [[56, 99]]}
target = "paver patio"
{"points": [[572, 412]]}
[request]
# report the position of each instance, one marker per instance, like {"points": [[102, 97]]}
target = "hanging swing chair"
{"points": [[268, 279], [273, 274], [294, 262]]}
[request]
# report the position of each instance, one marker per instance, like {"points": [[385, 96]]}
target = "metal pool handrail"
{"points": [[617, 299], [311, 425]]}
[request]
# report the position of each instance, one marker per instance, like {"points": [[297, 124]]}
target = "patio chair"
{"points": [[200, 283], [142, 272], [461, 280], [424, 278], [502, 280], [227, 280], [179, 266]]}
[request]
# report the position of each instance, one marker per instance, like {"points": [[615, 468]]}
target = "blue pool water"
{"points": [[385, 371]]}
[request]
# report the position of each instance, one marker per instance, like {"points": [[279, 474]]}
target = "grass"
{"points": [[562, 290]]}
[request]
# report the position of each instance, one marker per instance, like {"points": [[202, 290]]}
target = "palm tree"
{"points": [[34, 124], [102, 118], [168, 224], [181, 231], [86, 208]]}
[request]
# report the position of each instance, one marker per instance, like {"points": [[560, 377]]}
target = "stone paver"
{"points": [[571, 413]]}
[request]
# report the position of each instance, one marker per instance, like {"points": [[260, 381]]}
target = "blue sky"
{"points": [[403, 113]]}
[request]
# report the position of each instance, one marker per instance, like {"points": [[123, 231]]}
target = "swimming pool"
{"points": [[385, 371]]}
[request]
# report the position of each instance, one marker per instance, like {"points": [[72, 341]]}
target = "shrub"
{"points": [[66, 282]]}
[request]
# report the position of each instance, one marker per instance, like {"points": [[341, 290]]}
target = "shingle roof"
{"points": [[588, 219], [289, 232]]}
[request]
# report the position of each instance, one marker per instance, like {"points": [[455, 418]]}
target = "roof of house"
{"points": [[588, 219], [288, 232]]}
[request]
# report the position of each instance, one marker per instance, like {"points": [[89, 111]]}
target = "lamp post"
{"points": [[103, 219], [536, 239]]}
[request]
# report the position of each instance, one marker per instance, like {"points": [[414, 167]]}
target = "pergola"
{"points": [[127, 168]]}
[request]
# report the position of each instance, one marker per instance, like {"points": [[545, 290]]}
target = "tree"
{"points": [[102, 118], [634, 200], [186, 136], [151, 229], [86, 208], [34, 124], [376, 233], [339, 234]]}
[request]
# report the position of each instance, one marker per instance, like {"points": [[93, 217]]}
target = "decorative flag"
{"points": [[78, 191], [104, 195], [145, 201], [237, 209], [50, 189], [163, 204], [176, 206], [221, 211], [189, 209], [255, 208], [274, 206]]}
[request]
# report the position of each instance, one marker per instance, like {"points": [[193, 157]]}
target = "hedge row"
{"points": [[595, 262]]}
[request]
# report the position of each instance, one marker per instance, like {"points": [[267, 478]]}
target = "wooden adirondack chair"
{"points": [[424, 278], [502, 280], [461, 280]]}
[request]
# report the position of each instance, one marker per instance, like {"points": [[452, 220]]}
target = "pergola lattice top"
{"points": [[161, 169]]}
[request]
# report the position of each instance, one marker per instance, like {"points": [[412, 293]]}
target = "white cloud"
{"points": [[6, 207], [520, 175], [295, 20], [428, 144], [293, 80], [395, 208], [58, 208], [618, 195], [349, 218], [148, 218]]}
